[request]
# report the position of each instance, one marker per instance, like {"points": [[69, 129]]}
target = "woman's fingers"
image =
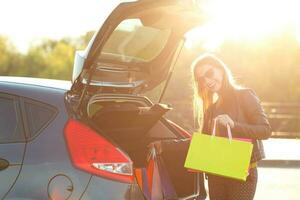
{"points": [[224, 120]]}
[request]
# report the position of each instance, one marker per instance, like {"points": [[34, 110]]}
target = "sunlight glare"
{"points": [[207, 36], [298, 34], [247, 20], [31, 20]]}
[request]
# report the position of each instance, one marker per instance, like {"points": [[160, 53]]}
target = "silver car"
{"points": [[84, 139]]}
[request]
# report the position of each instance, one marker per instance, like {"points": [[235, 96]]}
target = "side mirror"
{"points": [[78, 64]]}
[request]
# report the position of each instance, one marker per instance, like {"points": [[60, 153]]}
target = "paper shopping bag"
{"points": [[220, 156], [154, 179]]}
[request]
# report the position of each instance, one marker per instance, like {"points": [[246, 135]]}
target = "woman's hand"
{"points": [[157, 145], [224, 120]]}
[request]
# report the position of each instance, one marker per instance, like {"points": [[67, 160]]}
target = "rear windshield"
{"points": [[131, 41]]}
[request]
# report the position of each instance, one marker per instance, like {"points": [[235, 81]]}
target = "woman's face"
{"points": [[209, 77]]}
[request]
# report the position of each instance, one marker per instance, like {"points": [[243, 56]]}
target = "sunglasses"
{"points": [[208, 74]]}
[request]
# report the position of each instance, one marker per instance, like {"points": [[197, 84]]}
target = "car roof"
{"points": [[51, 83], [39, 89]]}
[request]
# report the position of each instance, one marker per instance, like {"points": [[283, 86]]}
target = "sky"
{"points": [[247, 21], [25, 22]]}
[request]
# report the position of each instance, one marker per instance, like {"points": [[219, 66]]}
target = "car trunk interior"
{"points": [[132, 124]]}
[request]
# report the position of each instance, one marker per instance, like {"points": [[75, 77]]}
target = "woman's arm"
{"points": [[258, 126]]}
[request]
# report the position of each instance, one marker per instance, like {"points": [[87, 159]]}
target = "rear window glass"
{"points": [[11, 129], [38, 116], [131, 41]]}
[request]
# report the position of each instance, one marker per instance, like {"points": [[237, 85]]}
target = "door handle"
{"points": [[3, 164]]}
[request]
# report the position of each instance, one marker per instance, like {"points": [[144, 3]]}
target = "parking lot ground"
{"points": [[278, 184], [279, 173]]}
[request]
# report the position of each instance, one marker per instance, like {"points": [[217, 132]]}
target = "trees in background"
{"points": [[270, 67], [48, 59], [10, 58]]}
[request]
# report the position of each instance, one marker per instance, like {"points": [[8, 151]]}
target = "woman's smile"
{"points": [[211, 84], [209, 77]]}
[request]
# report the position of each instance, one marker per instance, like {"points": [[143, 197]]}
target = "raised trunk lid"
{"points": [[136, 45]]}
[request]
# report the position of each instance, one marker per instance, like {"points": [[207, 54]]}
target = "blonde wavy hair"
{"points": [[203, 98]]}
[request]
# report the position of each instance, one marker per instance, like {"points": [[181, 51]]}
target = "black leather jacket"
{"points": [[250, 121]]}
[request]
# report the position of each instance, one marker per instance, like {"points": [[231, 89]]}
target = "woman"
{"points": [[217, 97]]}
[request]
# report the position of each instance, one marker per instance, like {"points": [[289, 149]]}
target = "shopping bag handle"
{"points": [[152, 154], [229, 134]]}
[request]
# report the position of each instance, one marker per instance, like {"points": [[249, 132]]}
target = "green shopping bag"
{"points": [[218, 155]]}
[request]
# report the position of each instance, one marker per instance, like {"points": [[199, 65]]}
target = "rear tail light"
{"points": [[94, 154], [180, 130]]}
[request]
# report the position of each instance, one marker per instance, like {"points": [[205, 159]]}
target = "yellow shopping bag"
{"points": [[218, 155]]}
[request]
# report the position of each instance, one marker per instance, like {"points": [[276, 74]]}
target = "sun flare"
{"points": [[244, 20]]}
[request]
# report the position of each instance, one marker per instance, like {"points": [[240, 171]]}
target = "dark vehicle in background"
{"points": [[83, 140]]}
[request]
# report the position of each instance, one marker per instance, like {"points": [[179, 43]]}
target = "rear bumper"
{"points": [[100, 188]]}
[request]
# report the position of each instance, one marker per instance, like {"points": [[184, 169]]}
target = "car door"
{"points": [[12, 145]]}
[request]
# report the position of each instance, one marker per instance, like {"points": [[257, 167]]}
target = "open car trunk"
{"points": [[132, 123], [134, 53]]}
